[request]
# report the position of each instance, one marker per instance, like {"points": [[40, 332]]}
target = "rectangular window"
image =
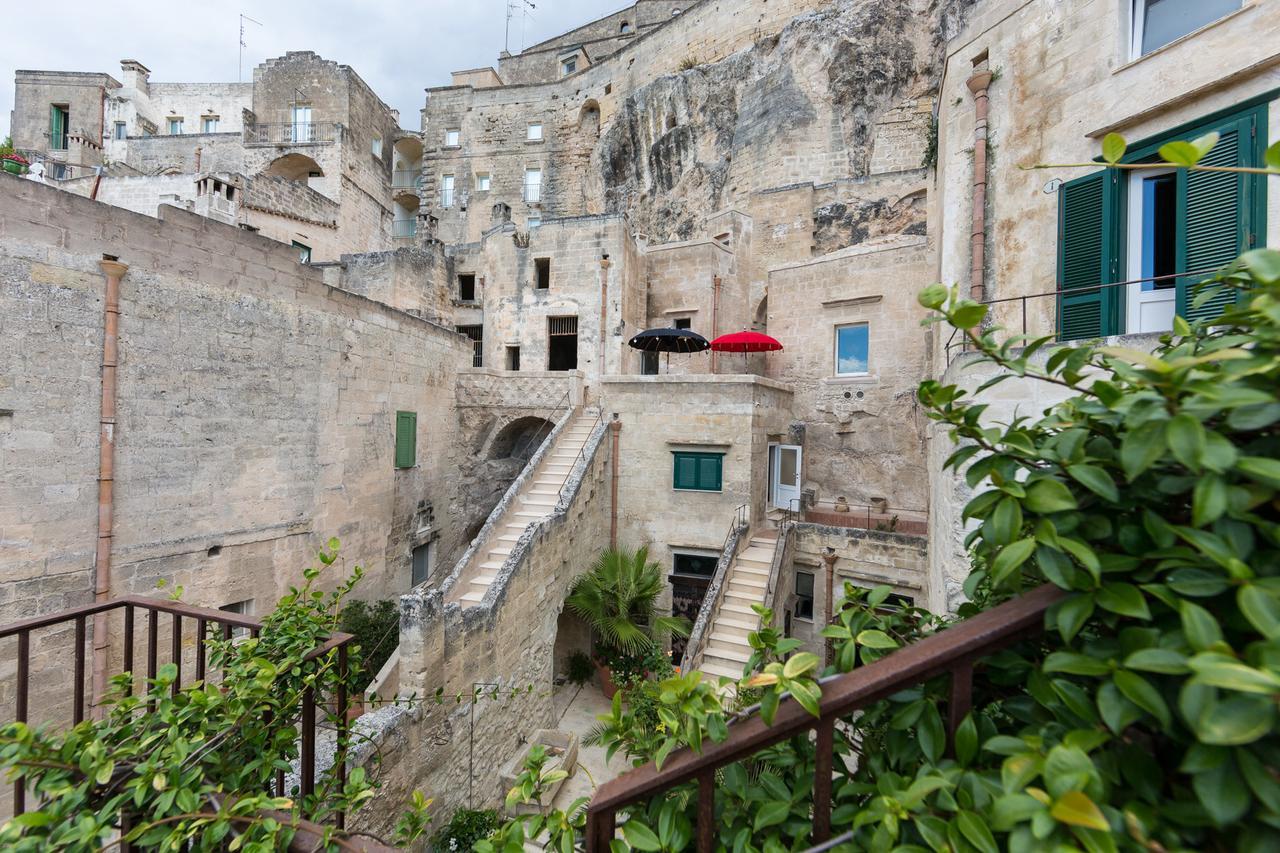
{"points": [[59, 121], [534, 133], [446, 190], [482, 182], [175, 127], [121, 131], [532, 185], [476, 334], [375, 147], [301, 129], [562, 343], [467, 287], [1149, 223], [698, 565], [804, 596], [451, 137], [684, 323], [1158, 22], [648, 363], [406, 439], [542, 273], [513, 358], [699, 472], [209, 124], [568, 66], [851, 350], [304, 252], [421, 563], [533, 222], [240, 608]]}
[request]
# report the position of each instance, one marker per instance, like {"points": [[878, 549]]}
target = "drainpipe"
{"points": [[715, 319], [978, 84], [615, 427], [604, 308], [114, 271], [828, 557], [199, 150]]}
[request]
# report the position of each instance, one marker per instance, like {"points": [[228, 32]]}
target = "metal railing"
{"points": [[404, 227], [962, 346], [953, 652], [715, 589], [582, 451], [202, 618], [406, 179], [532, 193], [884, 518], [293, 133], [781, 554]]}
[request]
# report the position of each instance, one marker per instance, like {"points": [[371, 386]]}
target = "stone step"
{"points": [[527, 514], [513, 538], [741, 599], [717, 668], [727, 653], [490, 565], [734, 641], [472, 597], [752, 572], [543, 499], [746, 582], [724, 620], [501, 551], [482, 581], [737, 611]]}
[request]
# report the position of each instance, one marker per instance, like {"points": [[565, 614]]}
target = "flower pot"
{"points": [[605, 676], [13, 167]]}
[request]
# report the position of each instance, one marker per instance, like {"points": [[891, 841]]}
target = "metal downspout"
{"points": [[978, 84], [615, 427]]}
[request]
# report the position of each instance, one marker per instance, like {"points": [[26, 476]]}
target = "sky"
{"points": [[398, 48]]}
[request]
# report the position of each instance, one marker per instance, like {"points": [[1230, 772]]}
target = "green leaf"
{"points": [[800, 663], [1140, 692], [1221, 671], [1073, 613], [1004, 522], [921, 788], [1075, 808], [1048, 496], [1261, 609], [1186, 440], [975, 831], [1010, 558], [1113, 147], [933, 297], [1163, 661], [966, 740], [1237, 721], [930, 734], [771, 813], [1123, 598], [1140, 448], [876, 640], [1117, 711], [1209, 500], [1272, 158], [1096, 480], [1222, 793], [1260, 469], [1076, 664], [968, 314], [642, 837], [1199, 626]]}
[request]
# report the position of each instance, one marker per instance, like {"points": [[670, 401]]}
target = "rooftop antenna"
{"points": [[512, 5], [240, 62]]}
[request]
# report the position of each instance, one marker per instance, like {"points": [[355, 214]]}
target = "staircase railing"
{"points": [[715, 590], [781, 557], [582, 451], [953, 651]]}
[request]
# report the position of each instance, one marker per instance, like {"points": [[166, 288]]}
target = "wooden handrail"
{"points": [[953, 650]]}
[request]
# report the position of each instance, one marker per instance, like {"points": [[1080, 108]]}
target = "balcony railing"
{"points": [[532, 193], [404, 228], [293, 133], [46, 630], [406, 179], [882, 517], [954, 652]]}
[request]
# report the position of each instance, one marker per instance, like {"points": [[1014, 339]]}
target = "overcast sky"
{"points": [[398, 48]]}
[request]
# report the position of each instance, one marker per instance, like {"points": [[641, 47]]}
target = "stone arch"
{"points": [[294, 167], [519, 438], [624, 27], [760, 321], [589, 119]]}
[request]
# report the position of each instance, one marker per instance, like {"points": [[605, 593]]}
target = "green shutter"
{"points": [[709, 472], [1215, 217], [1086, 256], [406, 439], [57, 127], [697, 471], [686, 471]]}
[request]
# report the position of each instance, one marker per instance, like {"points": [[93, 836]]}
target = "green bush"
{"points": [[581, 669], [464, 829], [376, 628]]}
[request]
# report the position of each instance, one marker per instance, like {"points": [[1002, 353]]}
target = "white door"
{"points": [[302, 124], [1152, 243], [786, 477]]}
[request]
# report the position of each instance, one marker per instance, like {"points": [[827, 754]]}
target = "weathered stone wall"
{"points": [[256, 412], [864, 435], [154, 155], [36, 91], [409, 279]]}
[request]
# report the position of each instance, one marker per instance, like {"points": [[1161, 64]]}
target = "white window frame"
{"points": [[446, 191], [209, 124], [239, 608], [452, 137], [835, 343], [1138, 23], [172, 123], [483, 181], [533, 133], [568, 65], [533, 222], [375, 147], [428, 550], [532, 190], [121, 131]]}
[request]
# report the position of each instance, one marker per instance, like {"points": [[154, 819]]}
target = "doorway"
{"points": [[784, 463], [691, 574], [562, 343], [1152, 250]]}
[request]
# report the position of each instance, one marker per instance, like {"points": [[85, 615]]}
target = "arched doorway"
{"points": [[294, 167]]}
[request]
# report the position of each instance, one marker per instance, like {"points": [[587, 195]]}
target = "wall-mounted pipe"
{"points": [[978, 84], [604, 312], [114, 271], [715, 320], [615, 427], [829, 557]]}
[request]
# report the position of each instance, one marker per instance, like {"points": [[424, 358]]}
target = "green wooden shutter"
{"points": [[709, 472], [406, 439], [1086, 256], [686, 471], [57, 127], [1215, 217]]}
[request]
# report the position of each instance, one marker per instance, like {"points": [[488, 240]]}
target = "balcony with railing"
{"points": [[406, 179], [531, 192], [404, 228], [293, 133]]}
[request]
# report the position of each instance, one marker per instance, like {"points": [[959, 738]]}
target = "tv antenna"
{"points": [[512, 6], [240, 62]]}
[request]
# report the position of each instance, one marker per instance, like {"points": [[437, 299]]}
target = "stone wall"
{"points": [[154, 155], [81, 93], [256, 412]]}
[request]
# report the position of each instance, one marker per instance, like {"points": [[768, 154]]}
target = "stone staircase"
{"points": [[727, 649], [533, 503]]}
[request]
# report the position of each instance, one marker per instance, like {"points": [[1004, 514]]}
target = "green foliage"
{"points": [[555, 831], [6, 147], [376, 628], [616, 599], [188, 768], [464, 829], [581, 669]]}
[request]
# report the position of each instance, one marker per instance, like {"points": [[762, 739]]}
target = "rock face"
{"points": [[802, 105]]}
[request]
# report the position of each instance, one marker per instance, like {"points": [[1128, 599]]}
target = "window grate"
{"points": [[562, 325]]}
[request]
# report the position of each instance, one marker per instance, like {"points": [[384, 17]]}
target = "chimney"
{"points": [[136, 75]]}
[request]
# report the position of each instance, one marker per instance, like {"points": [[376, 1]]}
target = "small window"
{"points": [[675, 12], [175, 126], [467, 287], [1158, 22], [684, 323], [851, 350], [625, 27], [209, 124], [59, 125], [406, 439], [804, 596], [121, 131], [532, 185], [304, 252], [446, 190], [697, 472], [568, 66], [534, 131], [513, 358], [476, 334], [421, 563], [482, 182], [697, 565], [451, 137], [542, 272], [376, 146], [648, 363], [240, 608], [533, 222]]}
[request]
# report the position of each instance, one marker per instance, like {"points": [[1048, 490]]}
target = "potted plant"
{"points": [[616, 598], [15, 163]]}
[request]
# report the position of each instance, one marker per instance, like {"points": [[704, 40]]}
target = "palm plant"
{"points": [[616, 599]]}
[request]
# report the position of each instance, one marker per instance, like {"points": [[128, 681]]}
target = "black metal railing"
{"points": [[711, 600]]}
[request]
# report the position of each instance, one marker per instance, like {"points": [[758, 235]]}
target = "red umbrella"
{"points": [[745, 342]]}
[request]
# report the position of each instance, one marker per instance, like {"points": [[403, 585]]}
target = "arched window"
{"points": [[625, 27]]}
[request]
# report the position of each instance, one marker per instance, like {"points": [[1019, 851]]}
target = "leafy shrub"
{"points": [[464, 829], [581, 669], [376, 628]]}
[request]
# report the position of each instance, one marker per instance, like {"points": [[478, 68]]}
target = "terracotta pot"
{"points": [[605, 676]]}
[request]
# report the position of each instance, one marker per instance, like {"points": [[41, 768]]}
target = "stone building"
{"points": [[448, 386]]}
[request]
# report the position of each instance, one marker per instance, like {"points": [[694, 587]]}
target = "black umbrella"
{"points": [[669, 341]]}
